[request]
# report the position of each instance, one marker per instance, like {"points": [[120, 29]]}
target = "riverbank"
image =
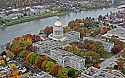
{"points": [[52, 12], [23, 19]]}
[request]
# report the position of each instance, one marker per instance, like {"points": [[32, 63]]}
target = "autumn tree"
{"points": [[118, 47], [35, 38], [43, 65], [120, 63], [55, 69], [15, 48], [71, 24], [67, 29], [28, 57], [90, 45], [25, 55], [44, 61], [63, 73], [39, 61], [21, 54], [10, 54], [92, 57], [48, 30]]}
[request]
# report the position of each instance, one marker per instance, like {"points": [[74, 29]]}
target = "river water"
{"points": [[34, 27]]}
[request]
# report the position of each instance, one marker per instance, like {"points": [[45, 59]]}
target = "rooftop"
{"points": [[58, 23], [120, 32]]}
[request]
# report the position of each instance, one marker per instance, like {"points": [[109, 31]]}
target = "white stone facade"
{"points": [[57, 30], [72, 36], [65, 58]]}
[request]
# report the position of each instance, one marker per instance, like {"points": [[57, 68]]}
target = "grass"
{"points": [[26, 74]]}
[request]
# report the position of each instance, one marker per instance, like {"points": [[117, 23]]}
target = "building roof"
{"points": [[61, 52], [114, 74], [120, 32], [58, 23], [121, 6]]}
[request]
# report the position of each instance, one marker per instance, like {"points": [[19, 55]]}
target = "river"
{"points": [[34, 27]]}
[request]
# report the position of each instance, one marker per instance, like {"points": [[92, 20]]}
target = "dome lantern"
{"points": [[58, 23]]}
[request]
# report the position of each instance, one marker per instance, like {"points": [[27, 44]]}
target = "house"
{"points": [[120, 32]]}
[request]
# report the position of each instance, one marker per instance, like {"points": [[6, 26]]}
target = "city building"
{"points": [[109, 73], [119, 32], [68, 59], [57, 31], [72, 36]]}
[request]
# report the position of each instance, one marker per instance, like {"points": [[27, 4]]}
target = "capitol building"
{"points": [[57, 31]]}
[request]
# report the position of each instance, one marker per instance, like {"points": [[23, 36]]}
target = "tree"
{"points": [[48, 30], [73, 48], [90, 45], [66, 29], [68, 48], [55, 69], [21, 54], [10, 54], [48, 66], [28, 57], [101, 51], [100, 18], [43, 65], [117, 48], [104, 30], [25, 55], [40, 60], [44, 60], [72, 73], [71, 24], [15, 48], [92, 57], [123, 71], [116, 67], [35, 38], [120, 63], [92, 54], [82, 33], [97, 65], [33, 58], [62, 73], [123, 54]]}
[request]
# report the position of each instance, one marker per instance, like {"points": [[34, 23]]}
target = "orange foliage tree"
{"points": [[55, 69], [48, 30]]}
